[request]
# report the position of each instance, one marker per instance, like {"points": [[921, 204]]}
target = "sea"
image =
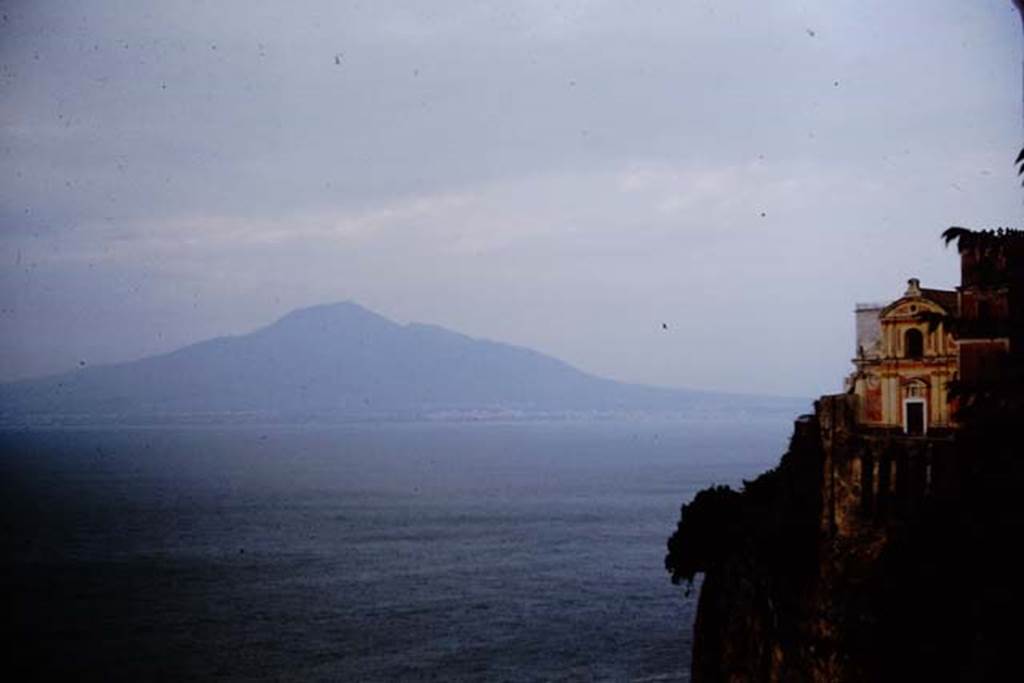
{"points": [[519, 551]]}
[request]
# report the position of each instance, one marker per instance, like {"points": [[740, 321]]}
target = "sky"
{"points": [[571, 176]]}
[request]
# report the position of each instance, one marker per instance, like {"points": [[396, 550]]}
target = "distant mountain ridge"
{"points": [[342, 361]]}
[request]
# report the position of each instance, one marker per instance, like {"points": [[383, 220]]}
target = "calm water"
{"points": [[448, 552]]}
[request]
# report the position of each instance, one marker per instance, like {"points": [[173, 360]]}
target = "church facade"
{"points": [[905, 359]]}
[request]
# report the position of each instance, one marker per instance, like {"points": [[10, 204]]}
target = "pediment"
{"points": [[911, 306]]}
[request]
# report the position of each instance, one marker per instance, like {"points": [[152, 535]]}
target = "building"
{"points": [[913, 352], [991, 315], [906, 357]]}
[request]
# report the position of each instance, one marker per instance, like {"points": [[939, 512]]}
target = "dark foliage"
{"points": [[773, 518], [955, 233], [708, 527]]}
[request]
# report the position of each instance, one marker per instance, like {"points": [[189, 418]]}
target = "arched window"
{"points": [[913, 344]]}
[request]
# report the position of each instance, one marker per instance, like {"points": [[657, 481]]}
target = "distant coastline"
{"points": [[342, 363], [786, 409]]}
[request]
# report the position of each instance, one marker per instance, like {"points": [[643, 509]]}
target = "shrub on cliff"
{"points": [[708, 526], [773, 517]]}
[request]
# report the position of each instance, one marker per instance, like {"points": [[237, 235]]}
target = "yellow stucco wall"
{"points": [[886, 378]]}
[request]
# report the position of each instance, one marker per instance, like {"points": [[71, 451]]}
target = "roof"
{"points": [[943, 297]]}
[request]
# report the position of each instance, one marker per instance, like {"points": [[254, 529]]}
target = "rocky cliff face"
{"points": [[862, 556]]}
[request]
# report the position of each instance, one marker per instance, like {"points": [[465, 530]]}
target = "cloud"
{"points": [[562, 175]]}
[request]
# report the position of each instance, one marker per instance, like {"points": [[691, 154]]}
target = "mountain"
{"points": [[342, 361]]}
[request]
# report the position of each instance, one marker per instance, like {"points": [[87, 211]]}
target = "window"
{"points": [[913, 344], [984, 310]]}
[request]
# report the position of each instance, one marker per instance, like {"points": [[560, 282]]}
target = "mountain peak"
{"points": [[338, 309], [342, 313]]}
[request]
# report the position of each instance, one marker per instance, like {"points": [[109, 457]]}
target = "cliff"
{"points": [[863, 556]]}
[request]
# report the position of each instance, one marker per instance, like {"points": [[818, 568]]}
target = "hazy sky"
{"points": [[562, 175]]}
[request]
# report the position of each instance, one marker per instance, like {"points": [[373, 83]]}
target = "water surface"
{"points": [[373, 552]]}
